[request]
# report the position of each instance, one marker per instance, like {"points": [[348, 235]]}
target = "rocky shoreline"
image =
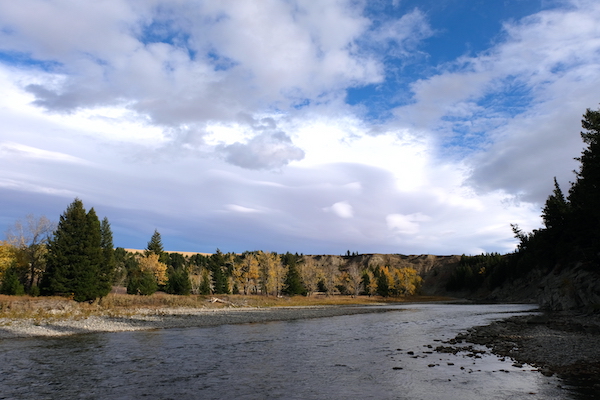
{"points": [[148, 319], [564, 344]]}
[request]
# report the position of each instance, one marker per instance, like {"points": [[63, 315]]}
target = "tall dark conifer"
{"points": [[107, 270], [74, 256], [155, 246], [293, 282], [584, 195]]}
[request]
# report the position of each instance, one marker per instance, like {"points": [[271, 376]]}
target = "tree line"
{"points": [[255, 273], [76, 258]]}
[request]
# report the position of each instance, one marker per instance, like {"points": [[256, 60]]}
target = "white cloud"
{"points": [[406, 224], [342, 209], [242, 209], [9, 150]]}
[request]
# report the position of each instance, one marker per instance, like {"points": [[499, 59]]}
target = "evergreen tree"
{"points": [[220, 281], [584, 195], [179, 282], [556, 209], [155, 246], [10, 284], [177, 261], [366, 282], [74, 256], [219, 273], [204, 288], [383, 287], [293, 283], [141, 282], [107, 269]]}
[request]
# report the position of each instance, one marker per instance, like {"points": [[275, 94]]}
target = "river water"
{"points": [[364, 356]]}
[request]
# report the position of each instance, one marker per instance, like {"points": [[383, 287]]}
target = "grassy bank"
{"points": [[44, 308]]}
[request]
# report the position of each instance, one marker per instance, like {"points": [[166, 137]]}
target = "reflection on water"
{"points": [[358, 356]]}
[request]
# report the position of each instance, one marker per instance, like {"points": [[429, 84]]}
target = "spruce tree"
{"points": [[205, 284], [141, 282], [10, 284], [107, 270], [179, 282], [219, 273], [74, 256], [293, 282], [155, 246]]}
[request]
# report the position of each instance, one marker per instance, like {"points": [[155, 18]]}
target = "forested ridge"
{"points": [[76, 258]]}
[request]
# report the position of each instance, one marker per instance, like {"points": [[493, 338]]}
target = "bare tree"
{"points": [[355, 279], [30, 238], [331, 277], [310, 274]]}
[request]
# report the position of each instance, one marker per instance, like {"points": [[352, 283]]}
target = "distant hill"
{"points": [[185, 253]]}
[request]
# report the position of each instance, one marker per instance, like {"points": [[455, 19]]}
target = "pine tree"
{"points": [[74, 256]]}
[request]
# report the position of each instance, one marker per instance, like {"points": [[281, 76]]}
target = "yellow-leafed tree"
{"points": [[7, 257], [310, 274], [247, 273], [371, 287], [150, 262], [406, 281], [272, 273]]}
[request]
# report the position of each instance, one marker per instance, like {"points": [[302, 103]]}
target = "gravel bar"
{"points": [[170, 318]]}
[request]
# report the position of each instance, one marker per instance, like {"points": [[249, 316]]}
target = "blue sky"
{"points": [[316, 127]]}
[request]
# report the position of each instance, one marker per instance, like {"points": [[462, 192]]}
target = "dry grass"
{"points": [[60, 308]]}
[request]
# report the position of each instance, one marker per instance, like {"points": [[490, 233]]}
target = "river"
{"points": [[368, 356]]}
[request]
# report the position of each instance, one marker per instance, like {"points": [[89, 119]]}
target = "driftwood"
{"points": [[217, 300]]}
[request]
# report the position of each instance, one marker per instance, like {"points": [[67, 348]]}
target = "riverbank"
{"points": [[23, 316], [565, 344], [170, 318]]}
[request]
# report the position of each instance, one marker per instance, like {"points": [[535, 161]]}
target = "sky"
{"points": [[317, 127]]}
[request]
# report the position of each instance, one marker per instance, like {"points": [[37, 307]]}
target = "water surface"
{"points": [[356, 356]]}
